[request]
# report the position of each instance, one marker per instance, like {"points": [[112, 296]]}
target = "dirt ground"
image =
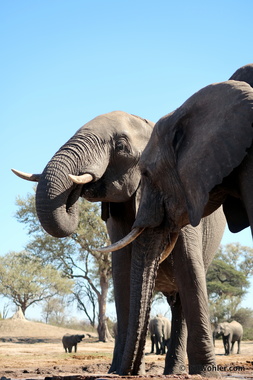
{"points": [[30, 350]]}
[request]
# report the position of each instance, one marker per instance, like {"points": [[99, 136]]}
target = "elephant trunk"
{"points": [[56, 200], [144, 268], [57, 195]]}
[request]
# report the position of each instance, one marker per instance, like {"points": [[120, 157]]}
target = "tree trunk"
{"points": [[103, 331]]}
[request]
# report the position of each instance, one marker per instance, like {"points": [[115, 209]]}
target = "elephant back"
{"points": [[166, 328], [237, 329]]}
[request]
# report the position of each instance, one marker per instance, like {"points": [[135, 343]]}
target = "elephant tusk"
{"points": [[81, 179], [167, 251], [27, 176], [122, 242]]}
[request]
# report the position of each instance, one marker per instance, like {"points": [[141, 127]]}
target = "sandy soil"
{"points": [[30, 350]]}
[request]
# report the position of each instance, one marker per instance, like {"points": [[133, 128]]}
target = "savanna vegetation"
{"points": [[75, 260]]}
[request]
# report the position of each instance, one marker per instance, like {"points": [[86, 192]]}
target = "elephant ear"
{"points": [[227, 330], [215, 131]]}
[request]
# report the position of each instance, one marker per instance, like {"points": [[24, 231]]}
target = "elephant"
{"points": [[198, 158], [115, 330], [100, 163], [70, 341], [160, 329], [231, 332]]}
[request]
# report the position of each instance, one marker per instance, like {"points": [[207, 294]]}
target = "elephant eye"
{"points": [[119, 146], [122, 147]]}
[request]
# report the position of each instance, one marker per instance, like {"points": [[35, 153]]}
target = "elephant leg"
{"points": [[166, 345], [232, 347], [152, 344], [191, 280], [214, 339], [238, 346], [176, 354], [157, 342], [226, 345], [163, 346], [229, 345]]}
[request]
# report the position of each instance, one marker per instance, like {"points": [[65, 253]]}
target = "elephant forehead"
{"points": [[118, 122]]}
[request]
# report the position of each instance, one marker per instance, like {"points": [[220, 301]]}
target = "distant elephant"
{"points": [[213, 326], [102, 159], [160, 329], [198, 158], [70, 341], [231, 332], [115, 330]]}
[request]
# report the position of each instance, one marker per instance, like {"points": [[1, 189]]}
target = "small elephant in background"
{"points": [[231, 332], [70, 341], [115, 330], [160, 330]]}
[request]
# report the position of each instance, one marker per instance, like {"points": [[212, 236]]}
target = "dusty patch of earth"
{"points": [[30, 350]]}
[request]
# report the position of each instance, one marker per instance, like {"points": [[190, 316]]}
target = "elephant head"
{"points": [[201, 144], [223, 329], [98, 163]]}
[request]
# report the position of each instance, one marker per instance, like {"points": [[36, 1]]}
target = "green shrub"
{"points": [[248, 333]]}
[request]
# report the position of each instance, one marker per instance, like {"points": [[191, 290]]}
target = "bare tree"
{"points": [[76, 257]]}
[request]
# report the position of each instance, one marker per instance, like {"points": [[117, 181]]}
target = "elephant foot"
{"points": [[177, 368], [205, 370]]}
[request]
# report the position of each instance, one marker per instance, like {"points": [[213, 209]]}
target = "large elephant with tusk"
{"points": [[198, 158], [100, 163]]}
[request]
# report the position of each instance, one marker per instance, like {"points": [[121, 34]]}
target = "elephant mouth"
{"points": [[104, 190], [94, 191]]}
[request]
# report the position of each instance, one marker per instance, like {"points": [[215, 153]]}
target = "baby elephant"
{"points": [[231, 332], [70, 341], [160, 329]]}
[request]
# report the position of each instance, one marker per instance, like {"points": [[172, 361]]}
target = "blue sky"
{"points": [[65, 62]]}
